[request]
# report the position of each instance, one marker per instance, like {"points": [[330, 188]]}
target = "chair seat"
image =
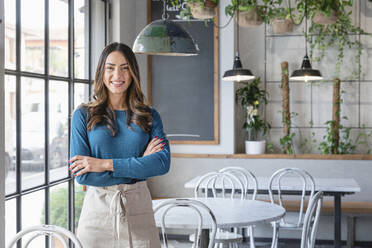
{"points": [[224, 237], [286, 225]]}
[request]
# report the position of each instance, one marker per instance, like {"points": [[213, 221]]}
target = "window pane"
{"points": [[10, 134], [81, 20], [33, 132], [81, 94], [79, 198], [59, 206], [33, 214], [10, 33], [32, 36], [58, 38], [98, 33], [58, 130], [10, 220]]}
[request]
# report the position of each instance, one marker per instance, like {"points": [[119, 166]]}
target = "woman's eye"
{"points": [[109, 68], [124, 68]]}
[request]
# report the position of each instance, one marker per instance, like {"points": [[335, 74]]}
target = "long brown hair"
{"points": [[99, 111]]}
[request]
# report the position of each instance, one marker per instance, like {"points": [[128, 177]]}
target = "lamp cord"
{"points": [[237, 30], [306, 26]]}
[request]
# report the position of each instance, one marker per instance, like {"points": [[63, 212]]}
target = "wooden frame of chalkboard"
{"points": [[213, 97]]}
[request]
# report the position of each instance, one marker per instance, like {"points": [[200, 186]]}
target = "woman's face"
{"points": [[116, 75]]}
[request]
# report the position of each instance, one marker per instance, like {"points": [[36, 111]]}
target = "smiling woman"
{"points": [[117, 142]]}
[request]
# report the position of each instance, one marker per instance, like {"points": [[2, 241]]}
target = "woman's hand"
{"points": [[83, 164], [154, 146]]}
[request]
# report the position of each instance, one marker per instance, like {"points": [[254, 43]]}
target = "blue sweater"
{"points": [[126, 149]]}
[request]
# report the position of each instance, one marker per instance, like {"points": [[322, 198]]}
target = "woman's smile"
{"points": [[117, 84]]}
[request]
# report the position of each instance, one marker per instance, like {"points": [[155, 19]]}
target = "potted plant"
{"points": [[198, 9], [280, 20], [336, 35], [250, 97], [248, 11], [324, 12]]}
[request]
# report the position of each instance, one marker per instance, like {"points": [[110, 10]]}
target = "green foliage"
{"points": [[346, 144], [327, 6], [337, 35], [286, 142], [250, 96], [186, 12], [59, 206], [329, 145], [244, 5], [277, 13]]}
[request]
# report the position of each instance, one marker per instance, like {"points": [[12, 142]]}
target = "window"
{"points": [[47, 74]]}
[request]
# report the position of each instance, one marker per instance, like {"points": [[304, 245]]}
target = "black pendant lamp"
{"points": [[238, 73], [306, 72], [165, 37]]}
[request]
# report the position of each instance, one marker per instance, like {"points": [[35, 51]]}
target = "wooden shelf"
{"points": [[278, 156]]}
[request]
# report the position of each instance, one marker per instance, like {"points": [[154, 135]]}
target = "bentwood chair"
{"points": [[311, 221], [250, 185], [46, 230], [230, 186], [276, 184], [195, 206]]}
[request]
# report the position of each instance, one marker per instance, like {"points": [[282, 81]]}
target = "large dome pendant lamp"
{"points": [[165, 37], [238, 73], [306, 72]]}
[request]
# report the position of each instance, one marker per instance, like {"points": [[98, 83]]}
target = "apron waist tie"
{"points": [[118, 211]]}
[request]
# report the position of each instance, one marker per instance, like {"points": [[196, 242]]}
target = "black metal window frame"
{"points": [[18, 73]]}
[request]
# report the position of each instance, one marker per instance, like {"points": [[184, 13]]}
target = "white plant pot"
{"points": [[255, 147]]}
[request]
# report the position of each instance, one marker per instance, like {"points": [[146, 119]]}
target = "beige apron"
{"points": [[119, 216]]}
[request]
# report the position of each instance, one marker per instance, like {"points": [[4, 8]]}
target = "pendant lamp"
{"points": [[306, 72], [238, 73], [165, 37]]}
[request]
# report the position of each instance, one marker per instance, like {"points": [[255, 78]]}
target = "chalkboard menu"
{"points": [[184, 90]]}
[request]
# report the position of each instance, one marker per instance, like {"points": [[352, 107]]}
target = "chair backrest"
{"points": [[198, 208], [216, 181], [311, 220], [249, 180], [46, 230], [308, 184]]}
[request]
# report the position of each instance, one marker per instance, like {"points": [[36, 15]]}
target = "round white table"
{"points": [[228, 212]]}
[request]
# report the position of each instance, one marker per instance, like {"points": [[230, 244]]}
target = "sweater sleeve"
{"points": [[147, 166], [79, 145]]}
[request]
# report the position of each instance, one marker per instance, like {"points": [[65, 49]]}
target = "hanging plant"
{"points": [[324, 11], [249, 12], [198, 9], [327, 11], [280, 19], [339, 36]]}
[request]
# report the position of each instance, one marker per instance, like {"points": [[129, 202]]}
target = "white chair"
{"points": [[311, 220], [250, 184], [194, 205], [46, 230], [210, 181], [308, 184], [249, 180]]}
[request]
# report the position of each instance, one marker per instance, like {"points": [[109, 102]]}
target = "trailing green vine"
{"points": [[286, 142], [338, 35]]}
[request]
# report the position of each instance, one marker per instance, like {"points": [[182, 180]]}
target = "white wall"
{"points": [[2, 129]]}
